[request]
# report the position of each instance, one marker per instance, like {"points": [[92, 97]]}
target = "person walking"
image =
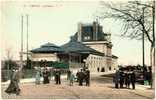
{"points": [[13, 86]]}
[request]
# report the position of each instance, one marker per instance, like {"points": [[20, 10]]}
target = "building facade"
{"points": [[92, 35], [89, 47]]}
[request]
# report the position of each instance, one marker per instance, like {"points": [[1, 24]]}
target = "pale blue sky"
{"points": [[55, 22]]}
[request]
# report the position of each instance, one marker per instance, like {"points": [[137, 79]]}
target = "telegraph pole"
{"points": [[21, 53], [27, 38]]}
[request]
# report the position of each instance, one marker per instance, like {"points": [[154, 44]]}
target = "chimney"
{"points": [[95, 30], [79, 35]]}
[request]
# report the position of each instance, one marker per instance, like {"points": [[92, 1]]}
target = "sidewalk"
{"points": [[95, 74], [145, 91], [141, 90], [27, 80]]}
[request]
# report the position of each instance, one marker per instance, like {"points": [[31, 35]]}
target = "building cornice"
{"points": [[97, 42]]}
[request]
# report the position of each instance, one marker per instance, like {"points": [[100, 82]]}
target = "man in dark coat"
{"points": [[145, 75], [68, 74], [121, 78], [127, 79], [87, 77], [77, 76], [133, 79], [150, 76], [45, 76], [58, 76], [116, 78], [81, 77]]}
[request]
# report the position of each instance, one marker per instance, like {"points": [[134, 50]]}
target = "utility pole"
{"points": [[27, 38], [21, 53]]}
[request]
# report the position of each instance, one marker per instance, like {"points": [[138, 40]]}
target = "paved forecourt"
{"points": [[97, 90]]}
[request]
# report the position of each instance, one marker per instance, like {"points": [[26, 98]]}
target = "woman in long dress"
{"points": [[71, 78], [38, 75], [13, 86]]}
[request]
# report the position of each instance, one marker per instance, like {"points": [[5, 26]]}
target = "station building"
{"points": [[89, 47]]}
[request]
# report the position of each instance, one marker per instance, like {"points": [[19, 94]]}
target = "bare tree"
{"points": [[9, 55], [137, 18], [8, 61]]}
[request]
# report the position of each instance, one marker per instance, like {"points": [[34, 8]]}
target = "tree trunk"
{"points": [[152, 64], [153, 48]]}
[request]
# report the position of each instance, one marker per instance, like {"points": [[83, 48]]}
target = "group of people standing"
{"points": [[83, 76], [126, 77], [46, 73], [147, 73]]}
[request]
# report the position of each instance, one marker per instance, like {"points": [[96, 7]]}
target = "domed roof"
{"points": [[47, 48], [49, 45]]}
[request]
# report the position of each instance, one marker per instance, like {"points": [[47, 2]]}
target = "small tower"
{"points": [[79, 34], [95, 29]]}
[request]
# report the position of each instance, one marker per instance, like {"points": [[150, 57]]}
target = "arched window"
{"points": [[98, 69], [103, 69], [109, 68]]}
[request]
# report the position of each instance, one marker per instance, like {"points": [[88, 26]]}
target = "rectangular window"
{"points": [[87, 38]]}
